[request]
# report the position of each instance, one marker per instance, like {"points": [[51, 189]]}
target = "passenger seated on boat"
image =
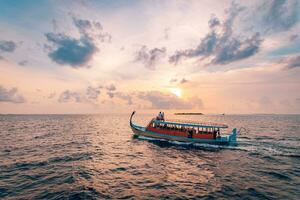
{"points": [[158, 116], [190, 133], [218, 134]]}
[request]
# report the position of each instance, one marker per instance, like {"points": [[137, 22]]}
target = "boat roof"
{"points": [[192, 123]]}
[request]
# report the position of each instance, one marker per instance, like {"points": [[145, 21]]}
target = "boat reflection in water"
{"points": [[193, 132]]}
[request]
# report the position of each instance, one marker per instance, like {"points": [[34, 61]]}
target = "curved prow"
{"points": [[131, 117]]}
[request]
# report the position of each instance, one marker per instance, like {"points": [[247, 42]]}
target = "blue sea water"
{"points": [[96, 157]]}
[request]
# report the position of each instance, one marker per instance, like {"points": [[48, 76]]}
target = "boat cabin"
{"points": [[189, 130]]}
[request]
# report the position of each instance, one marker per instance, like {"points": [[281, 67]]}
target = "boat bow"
{"points": [[135, 128], [131, 118]]}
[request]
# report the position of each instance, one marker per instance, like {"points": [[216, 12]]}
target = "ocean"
{"points": [[96, 157]]}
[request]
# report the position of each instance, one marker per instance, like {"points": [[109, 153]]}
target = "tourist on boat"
{"points": [[158, 116]]}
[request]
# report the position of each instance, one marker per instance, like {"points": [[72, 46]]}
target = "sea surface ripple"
{"points": [[96, 157]]}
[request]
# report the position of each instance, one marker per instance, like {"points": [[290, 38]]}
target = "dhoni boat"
{"points": [[193, 132]]}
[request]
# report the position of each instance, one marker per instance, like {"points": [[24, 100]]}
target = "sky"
{"points": [[210, 56]]}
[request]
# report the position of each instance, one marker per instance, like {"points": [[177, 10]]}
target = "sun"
{"points": [[176, 91]]}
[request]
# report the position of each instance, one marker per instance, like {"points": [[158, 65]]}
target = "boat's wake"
{"points": [[202, 146], [251, 146]]}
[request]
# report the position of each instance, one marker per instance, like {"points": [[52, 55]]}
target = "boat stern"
{"points": [[232, 136]]}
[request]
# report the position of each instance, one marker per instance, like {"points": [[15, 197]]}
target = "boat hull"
{"points": [[141, 131]]}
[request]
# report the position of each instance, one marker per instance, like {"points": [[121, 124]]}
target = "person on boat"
{"points": [[158, 116], [163, 116]]}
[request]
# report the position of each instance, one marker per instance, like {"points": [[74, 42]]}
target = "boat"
{"points": [[185, 131]]}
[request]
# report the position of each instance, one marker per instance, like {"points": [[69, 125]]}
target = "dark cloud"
{"points": [[183, 81], [91, 29], [220, 45], [93, 92], [7, 46], [161, 100], [23, 63], [11, 95], [291, 62], [83, 25], [280, 15], [66, 50], [111, 87], [213, 22], [150, 57], [69, 96], [70, 51]]}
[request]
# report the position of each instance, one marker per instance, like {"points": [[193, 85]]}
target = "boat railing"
{"points": [[195, 123]]}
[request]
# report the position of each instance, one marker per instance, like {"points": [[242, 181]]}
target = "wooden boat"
{"points": [[185, 131]]}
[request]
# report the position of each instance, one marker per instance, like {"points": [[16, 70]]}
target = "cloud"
{"points": [[220, 45], [161, 100], [294, 37], [183, 81], [111, 90], [291, 62], [150, 57], [110, 94], [280, 15], [126, 97], [173, 80], [213, 22], [69, 96], [7, 46], [89, 95], [23, 62], [91, 29], [11, 95], [111, 87], [66, 50], [70, 51], [93, 92]]}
